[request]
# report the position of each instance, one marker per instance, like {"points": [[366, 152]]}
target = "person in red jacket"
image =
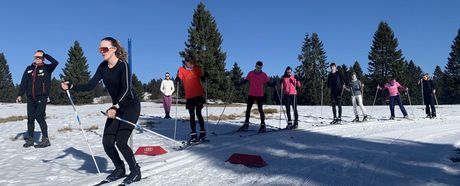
{"points": [[190, 74], [288, 85]]}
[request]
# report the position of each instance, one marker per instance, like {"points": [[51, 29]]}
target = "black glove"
{"points": [[296, 77]]}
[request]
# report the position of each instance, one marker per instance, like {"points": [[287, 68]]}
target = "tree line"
{"points": [[386, 61]]}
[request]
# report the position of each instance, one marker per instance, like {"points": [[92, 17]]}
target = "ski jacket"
{"points": [[289, 84], [393, 89], [167, 87], [36, 80], [355, 87], [256, 83], [428, 87], [335, 82], [191, 81], [117, 81]]}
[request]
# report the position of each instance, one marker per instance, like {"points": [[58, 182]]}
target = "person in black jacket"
{"points": [[336, 83], [115, 74], [36, 83], [428, 95]]}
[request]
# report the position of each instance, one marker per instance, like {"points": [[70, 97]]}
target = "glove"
{"points": [[112, 112]]}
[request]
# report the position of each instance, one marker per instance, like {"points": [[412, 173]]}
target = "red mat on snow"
{"points": [[150, 150], [247, 159]]}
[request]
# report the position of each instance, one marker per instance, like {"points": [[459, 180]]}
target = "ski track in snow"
{"points": [[377, 152]]}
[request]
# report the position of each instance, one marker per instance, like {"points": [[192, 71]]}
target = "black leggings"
{"points": [[117, 133], [288, 101], [191, 105], [36, 111], [336, 99], [260, 104]]}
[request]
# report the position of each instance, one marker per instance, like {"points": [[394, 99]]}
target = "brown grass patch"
{"points": [[224, 117], [92, 128], [65, 129], [12, 118], [266, 111]]}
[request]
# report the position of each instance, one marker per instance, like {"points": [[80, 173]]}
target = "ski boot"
{"points": [[167, 116], [365, 118], [406, 117], [296, 125], [338, 121], [356, 119], [134, 176], [392, 118], [44, 143], [433, 116], [245, 127], [193, 138], [202, 136], [289, 125], [117, 173], [262, 128], [333, 122], [29, 142], [428, 116]]}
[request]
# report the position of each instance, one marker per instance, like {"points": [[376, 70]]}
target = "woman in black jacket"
{"points": [[114, 72]]}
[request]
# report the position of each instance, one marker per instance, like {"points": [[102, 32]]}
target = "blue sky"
{"points": [[266, 30]]}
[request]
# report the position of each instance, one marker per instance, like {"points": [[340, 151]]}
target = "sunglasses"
{"points": [[38, 57], [105, 49]]}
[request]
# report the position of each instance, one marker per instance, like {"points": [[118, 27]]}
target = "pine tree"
{"points": [[153, 87], [345, 74], [452, 73], [236, 76], [57, 96], [385, 60], [137, 86], [204, 44], [76, 71], [7, 90], [311, 71], [358, 70], [411, 77], [438, 78]]}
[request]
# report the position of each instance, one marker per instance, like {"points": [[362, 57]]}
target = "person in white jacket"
{"points": [[167, 88]]}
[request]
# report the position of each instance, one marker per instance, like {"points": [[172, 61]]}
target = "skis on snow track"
{"points": [[107, 181], [268, 131], [186, 145]]}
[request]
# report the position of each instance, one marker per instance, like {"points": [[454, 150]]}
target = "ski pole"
{"points": [[375, 97], [82, 131], [138, 127], [281, 105], [177, 103], [229, 97], [207, 116], [410, 103], [285, 117]]}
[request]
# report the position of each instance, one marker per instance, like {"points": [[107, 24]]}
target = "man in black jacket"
{"points": [[36, 83], [336, 83]]}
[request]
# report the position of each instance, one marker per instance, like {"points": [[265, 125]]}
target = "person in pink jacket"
{"points": [[289, 86], [393, 88], [257, 80]]}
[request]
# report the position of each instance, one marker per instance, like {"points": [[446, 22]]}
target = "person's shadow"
{"points": [[88, 164], [37, 135]]}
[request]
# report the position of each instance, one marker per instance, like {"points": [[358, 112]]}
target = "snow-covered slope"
{"points": [[378, 152]]}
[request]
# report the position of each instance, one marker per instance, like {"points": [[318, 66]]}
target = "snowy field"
{"points": [[378, 152]]}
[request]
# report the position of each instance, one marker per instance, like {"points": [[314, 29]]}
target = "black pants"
{"points": [[260, 104], [336, 100], [192, 105], [117, 133], [36, 111], [429, 103], [289, 100]]}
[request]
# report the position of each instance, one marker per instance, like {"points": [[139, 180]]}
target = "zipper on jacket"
{"points": [[43, 88], [34, 74]]}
